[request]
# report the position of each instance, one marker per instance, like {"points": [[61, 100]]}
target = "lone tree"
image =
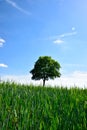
{"points": [[45, 68]]}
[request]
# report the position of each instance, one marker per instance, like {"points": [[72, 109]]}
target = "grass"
{"points": [[24, 107]]}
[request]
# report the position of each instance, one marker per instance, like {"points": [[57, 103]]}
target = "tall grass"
{"points": [[25, 107]]}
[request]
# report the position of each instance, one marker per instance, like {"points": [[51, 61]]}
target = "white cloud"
{"points": [[23, 79], [17, 7], [58, 41], [73, 28], [68, 34], [80, 74], [2, 41], [76, 79], [3, 65], [59, 37]]}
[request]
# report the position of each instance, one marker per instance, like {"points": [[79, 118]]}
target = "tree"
{"points": [[45, 68]]}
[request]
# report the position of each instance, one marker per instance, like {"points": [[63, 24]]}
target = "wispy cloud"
{"points": [[12, 3], [58, 41], [58, 38], [2, 41], [3, 65], [67, 34]]}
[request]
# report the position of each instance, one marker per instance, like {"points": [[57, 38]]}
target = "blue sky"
{"points": [[33, 28]]}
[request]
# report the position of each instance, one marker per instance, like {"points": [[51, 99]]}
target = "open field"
{"points": [[25, 107]]}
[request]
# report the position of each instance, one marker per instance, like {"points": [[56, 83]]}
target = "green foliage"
{"points": [[45, 68], [25, 107]]}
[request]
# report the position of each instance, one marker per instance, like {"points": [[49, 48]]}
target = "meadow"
{"points": [[26, 107]]}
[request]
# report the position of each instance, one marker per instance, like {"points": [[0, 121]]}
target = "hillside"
{"points": [[24, 107]]}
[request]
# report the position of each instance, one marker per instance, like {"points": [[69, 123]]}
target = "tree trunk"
{"points": [[43, 82]]}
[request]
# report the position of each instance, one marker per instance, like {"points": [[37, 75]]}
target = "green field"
{"points": [[24, 107]]}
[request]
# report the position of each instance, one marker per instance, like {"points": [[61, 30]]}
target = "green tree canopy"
{"points": [[45, 68]]}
